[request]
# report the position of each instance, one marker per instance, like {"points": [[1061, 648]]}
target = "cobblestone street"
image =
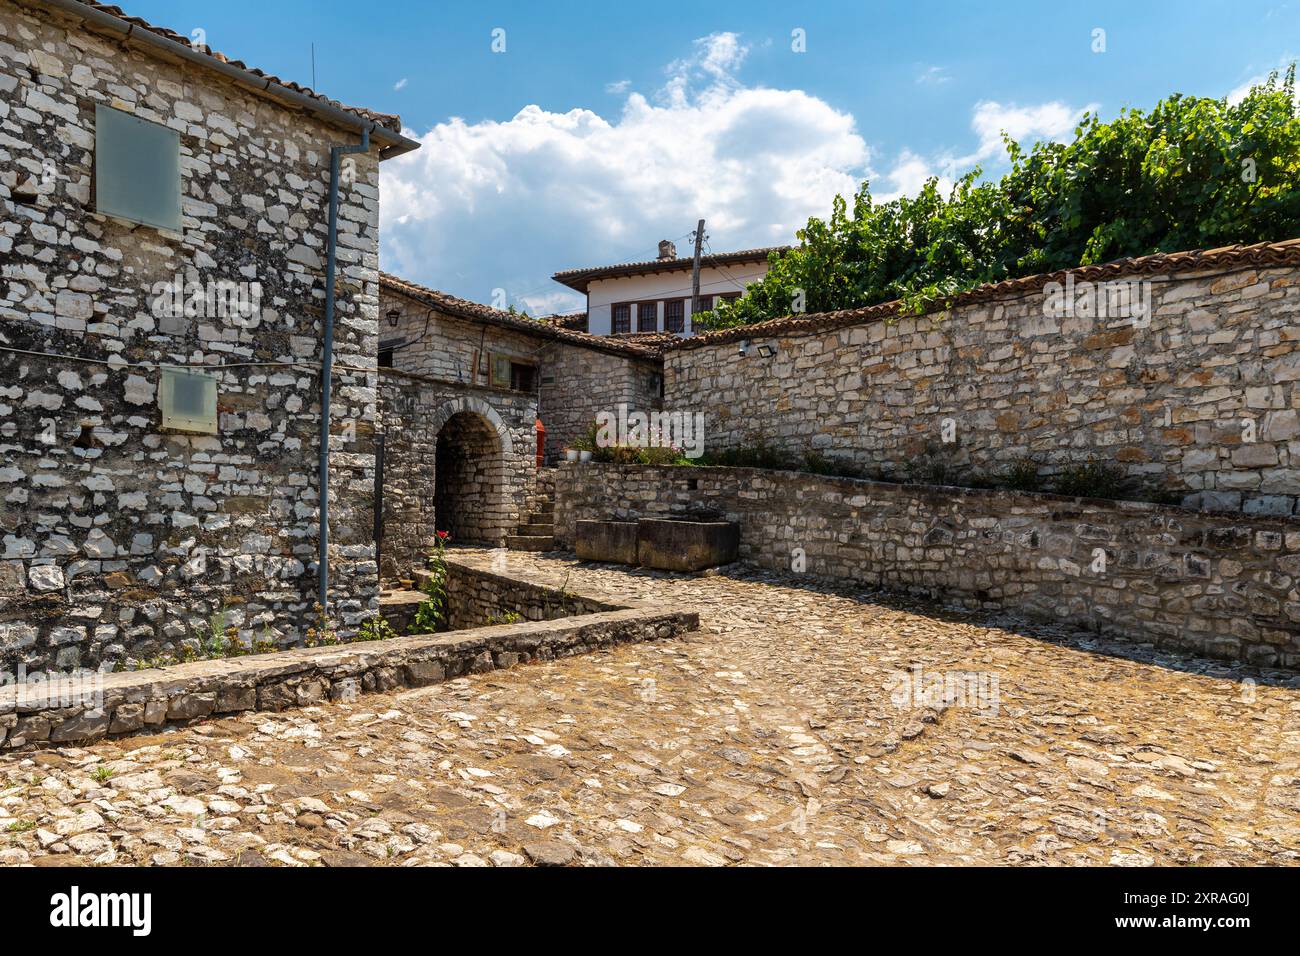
{"points": [[777, 734]]}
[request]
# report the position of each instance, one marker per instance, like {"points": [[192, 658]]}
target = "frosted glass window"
{"points": [[137, 169], [189, 401]]}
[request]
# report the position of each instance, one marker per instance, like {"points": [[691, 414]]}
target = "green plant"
{"points": [[21, 826], [1023, 475], [506, 617], [1190, 173], [1091, 480], [102, 774], [322, 632], [933, 466], [431, 612], [375, 628]]}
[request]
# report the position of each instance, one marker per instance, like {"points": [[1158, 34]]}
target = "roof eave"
{"points": [[391, 143]]}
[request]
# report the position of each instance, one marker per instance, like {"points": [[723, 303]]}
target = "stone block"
{"points": [[686, 545], [608, 541]]}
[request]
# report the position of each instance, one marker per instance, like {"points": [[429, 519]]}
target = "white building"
{"points": [[655, 296]]}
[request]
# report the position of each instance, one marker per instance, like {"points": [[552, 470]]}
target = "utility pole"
{"points": [[695, 271]]}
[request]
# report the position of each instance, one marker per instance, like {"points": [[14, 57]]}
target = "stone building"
{"points": [[654, 297], [164, 250], [464, 389]]}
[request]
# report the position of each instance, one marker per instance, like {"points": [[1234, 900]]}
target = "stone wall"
{"points": [[119, 539], [1202, 402], [147, 700], [1222, 585], [477, 597], [574, 380], [488, 446]]}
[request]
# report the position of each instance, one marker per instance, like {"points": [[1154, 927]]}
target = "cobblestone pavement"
{"points": [[780, 733]]}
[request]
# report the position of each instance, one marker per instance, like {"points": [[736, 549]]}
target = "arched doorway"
{"points": [[469, 480]]}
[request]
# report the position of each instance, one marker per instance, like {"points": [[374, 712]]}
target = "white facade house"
{"points": [[655, 296]]}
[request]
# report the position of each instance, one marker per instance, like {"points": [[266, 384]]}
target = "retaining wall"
{"points": [[1222, 585]]}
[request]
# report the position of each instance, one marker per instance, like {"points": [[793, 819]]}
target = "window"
{"points": [[137, 169], [647, 317], [385, 358], [675, 315], [620, 317], [509, 372], [189, 401], [705, 304]]}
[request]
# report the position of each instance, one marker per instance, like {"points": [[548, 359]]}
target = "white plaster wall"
{"points": [[602, 293]]}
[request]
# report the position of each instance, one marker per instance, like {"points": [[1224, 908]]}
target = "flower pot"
{"points": [[584, 456], [570, 454]]}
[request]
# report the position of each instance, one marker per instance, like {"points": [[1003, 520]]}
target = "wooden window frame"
{"points": [[613, 324], [643, 304], [681, 315]]}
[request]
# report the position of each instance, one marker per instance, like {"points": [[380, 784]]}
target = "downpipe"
{"points": [[327, 369]]}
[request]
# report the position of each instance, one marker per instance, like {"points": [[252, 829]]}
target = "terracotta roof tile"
{"points": [[1261, 254], [576, 321], [579, 278], [483, 313]]}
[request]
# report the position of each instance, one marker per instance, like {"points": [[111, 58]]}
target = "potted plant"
{"points": [[586, 445], [570, 454]]}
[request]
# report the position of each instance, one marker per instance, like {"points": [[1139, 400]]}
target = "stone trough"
{"points": [[667, 544]]}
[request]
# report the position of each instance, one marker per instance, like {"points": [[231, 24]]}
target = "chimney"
{"points": [[667, 250]]}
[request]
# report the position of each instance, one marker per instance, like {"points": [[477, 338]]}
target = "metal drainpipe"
{"points": [[327, 368]]}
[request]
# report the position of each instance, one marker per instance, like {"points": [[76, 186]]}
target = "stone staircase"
{"points": [[537, 532]]}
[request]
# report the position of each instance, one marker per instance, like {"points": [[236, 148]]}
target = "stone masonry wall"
{"points": [[119, 540], [476, 598], [1203, 402], [1222, 585], [415, 411], [573, 382], [147, 700]]}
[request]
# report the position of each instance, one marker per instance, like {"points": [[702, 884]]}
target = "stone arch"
{"points": [[471, 448], [469, 403]]}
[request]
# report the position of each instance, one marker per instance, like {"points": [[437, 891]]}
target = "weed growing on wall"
{"points": [[431, 613]]}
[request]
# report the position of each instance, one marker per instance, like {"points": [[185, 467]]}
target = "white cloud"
{"points": [[504, 204], [908, 173], [1238, 93], [933, 76], [1051, 121], [400, 83], [618, 87]]}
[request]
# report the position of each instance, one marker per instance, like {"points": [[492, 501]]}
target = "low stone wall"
{"points": [[476, 597], [140, 700], [1223, 585]]}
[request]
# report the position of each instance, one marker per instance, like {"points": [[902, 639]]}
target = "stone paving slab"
{"points": [[779, 733]]}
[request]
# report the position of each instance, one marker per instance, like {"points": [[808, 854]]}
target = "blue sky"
{"points": [[604, 127]]}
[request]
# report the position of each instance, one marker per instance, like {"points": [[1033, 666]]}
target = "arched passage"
{"points": [[469, 480]]}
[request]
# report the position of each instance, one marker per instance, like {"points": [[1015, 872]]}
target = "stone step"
{"points": [[530, 542], [535, 527]]}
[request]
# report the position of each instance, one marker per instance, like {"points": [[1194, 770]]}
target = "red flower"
{"points": [[444, 535]]}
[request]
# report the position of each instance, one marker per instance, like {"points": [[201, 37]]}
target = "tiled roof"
{"points": [[579, 278], [1259, 255], [385, 120], [510, 320], [576, 321]]}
